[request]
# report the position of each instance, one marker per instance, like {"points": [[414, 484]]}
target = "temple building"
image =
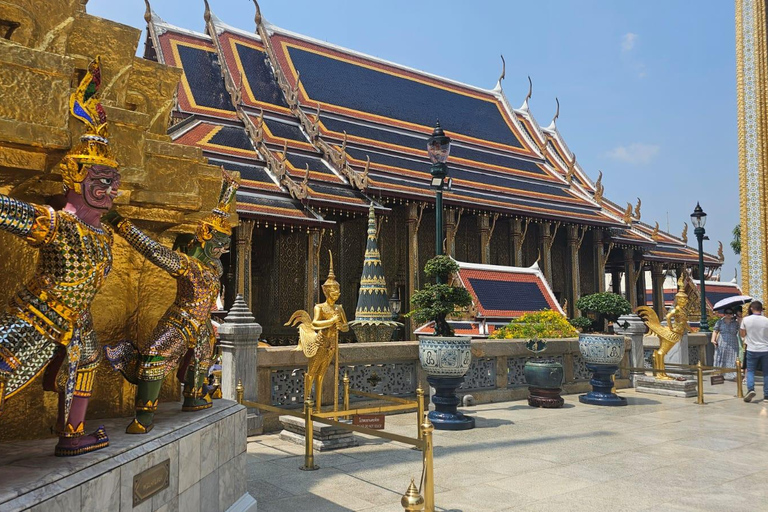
{"points": [[319, 132]]}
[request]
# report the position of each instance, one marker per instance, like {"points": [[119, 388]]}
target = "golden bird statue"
{"points": [[319, 335], [670, 334]]}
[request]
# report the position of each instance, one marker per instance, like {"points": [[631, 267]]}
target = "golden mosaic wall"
{"points": [[167, 187]]}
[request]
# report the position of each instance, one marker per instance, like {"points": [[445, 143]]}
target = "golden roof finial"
{"points": [[720, 254], [207, 13], [637, 208], [530, 89], [503, 69], [257, 16], [599, 189], [655, 234], [627, 217], [684, 235], [557, 112], [147, 11]]}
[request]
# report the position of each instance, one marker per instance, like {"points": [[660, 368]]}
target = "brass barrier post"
{"points": [[419, 411], [429, 476], [346, 394], [739, 389], [700, 379], [309, 455], [412, 500], [239, 391]]}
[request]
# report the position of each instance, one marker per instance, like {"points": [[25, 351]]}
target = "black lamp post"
{"points": [[438, 148], [699, 219]]}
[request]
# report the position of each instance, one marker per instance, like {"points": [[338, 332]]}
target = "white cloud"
{"points": [[628, 41], [635, 153]]}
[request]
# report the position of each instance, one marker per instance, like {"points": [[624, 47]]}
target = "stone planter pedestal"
{"points": [[446, 361]]}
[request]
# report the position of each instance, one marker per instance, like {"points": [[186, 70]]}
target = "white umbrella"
{"points": [[732, 302]]}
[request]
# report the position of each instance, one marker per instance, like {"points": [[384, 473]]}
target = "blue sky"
{"points": [[647, 89]]}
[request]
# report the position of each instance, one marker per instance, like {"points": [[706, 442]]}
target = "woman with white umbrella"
{"points": [[726, 342]]}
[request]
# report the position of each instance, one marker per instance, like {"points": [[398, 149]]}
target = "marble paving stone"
{"points": [[102, 493], [264, 492], [189, 458]]}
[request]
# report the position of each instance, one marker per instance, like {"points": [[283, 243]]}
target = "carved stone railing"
{"points": [[393, 368]]}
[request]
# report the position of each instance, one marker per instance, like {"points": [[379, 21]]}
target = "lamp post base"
{"points": [[602, 386], [446, 416]]}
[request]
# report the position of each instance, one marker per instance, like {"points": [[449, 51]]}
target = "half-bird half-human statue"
{"points": [[184, 335], [47, 324]]}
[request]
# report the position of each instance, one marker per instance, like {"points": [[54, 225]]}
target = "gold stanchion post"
{"points": [[419, 411], [429, 476], [346, 394], [239, 391], [739, 389], [412, 500], [309, 455], [700, 379]]}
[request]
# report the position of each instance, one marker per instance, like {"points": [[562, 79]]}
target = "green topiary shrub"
{"points": [[581, 322], [542, 324], [437, 301], [603, 306]]}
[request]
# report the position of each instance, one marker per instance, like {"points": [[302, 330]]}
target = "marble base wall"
{"points": [[206, 450]]}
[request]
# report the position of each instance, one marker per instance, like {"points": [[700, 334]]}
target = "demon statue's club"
{"points": [[184, 334], [47, 324]]}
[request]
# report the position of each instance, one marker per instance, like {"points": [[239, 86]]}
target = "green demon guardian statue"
{"points": [[184, 335]]}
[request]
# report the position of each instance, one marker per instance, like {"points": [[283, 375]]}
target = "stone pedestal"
{"points": [[239, 335], [201, 458], [679, 388], [445, 416], [633, 327], [602, 386], [545, 397], [324, 437]]}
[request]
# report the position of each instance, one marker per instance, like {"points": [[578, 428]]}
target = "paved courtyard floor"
{"points": [[657, 453]]}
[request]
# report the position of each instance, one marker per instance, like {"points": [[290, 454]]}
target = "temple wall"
{"points": [[587, 264], [560, 259], [165, 188]]}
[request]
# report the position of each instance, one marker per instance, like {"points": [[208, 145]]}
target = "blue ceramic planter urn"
{"points": [[446, 361], [603, 354], [544, 378]]}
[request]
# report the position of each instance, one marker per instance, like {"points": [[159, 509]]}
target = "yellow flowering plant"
{"points": [[541, 324]]}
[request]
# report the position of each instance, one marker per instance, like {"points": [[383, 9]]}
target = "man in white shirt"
{"points": [[754, 332]]}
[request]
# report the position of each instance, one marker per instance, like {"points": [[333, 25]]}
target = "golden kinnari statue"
{"points": [[677, 326], [319, 335]]}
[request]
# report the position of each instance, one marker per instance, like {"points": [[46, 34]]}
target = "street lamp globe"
{"points": [[698, 217], [438, 145]]}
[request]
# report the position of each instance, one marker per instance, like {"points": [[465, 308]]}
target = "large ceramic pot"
{"points": [[544, 378], [445, 356], [603, 353], [543, 374], [446, 360], [601, 348]]}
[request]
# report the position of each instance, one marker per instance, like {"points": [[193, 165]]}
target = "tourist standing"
{"points": [[725, 339], [754, 330]]}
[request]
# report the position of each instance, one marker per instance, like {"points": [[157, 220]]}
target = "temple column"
{"points": [[412, 221], [313, 268], [574, 244], [657, 283], [545, 244], [449, 219], [516, 239], [484, 226], [244, 249], [616, 281], [600, 259], [630, 276]]}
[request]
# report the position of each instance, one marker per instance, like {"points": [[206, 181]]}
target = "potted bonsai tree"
{"points": [[602, 352], [444, 356]]}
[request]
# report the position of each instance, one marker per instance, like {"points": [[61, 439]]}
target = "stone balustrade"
{"points": [[393, 368]]}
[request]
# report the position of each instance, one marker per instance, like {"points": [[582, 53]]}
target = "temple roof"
{"points": [[715, 292], [332, 128]]}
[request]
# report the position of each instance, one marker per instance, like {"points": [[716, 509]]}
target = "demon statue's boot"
{"points": [[196, 391], [70, 428], [49, 315], [146, 405], [184, 334]]}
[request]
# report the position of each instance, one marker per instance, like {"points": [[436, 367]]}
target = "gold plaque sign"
{"points": [[151, 481]]}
